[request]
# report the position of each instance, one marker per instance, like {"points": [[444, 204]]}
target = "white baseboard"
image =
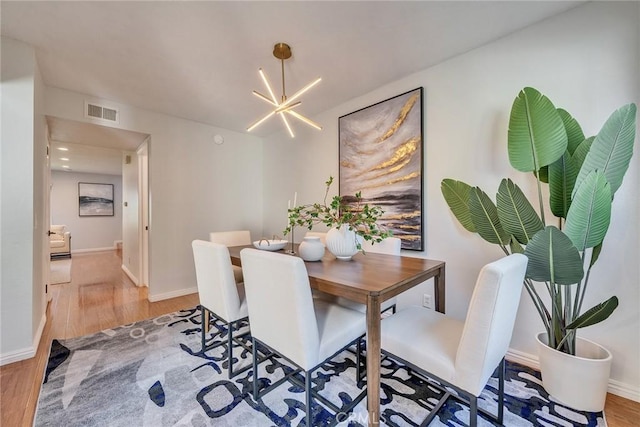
{"points": [[25, 353], [131, 276], [83, 251], [628, 391], [17, 355], [173, 294]]}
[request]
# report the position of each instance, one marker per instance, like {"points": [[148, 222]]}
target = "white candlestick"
{"points": [[295, 199]]}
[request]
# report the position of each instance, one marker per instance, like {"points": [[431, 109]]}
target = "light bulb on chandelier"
{"points": [[286, 105]]}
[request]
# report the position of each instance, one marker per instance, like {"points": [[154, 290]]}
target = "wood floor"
{"points": [[101, 296]]}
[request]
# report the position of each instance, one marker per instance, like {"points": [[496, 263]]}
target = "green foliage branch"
{"points": [[352, 212], [583, 175]]}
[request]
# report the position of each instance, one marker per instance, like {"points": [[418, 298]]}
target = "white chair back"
{"points": [[231, 238], [281, 308], [489, 323], [216, 286], [388, 246], [322, 236]]}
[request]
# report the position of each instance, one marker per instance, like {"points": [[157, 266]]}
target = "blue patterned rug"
{"points": [[152, 373]]}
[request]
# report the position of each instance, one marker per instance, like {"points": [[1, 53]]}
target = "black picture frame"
{"points": [[95, 199], [381, 155]]}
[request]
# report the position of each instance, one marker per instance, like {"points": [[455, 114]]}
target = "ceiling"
{"points": [[89, 148], [199, 59]]}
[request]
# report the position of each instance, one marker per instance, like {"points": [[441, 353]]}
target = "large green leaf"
{"points": [[536, 135], [553, 258], [542, 174], [595, 314], [612, 149], [595, 254], [516, 214], [590, 212], [456, 194], [484, 215], [574, 132], [581, 152], [562, 177]]}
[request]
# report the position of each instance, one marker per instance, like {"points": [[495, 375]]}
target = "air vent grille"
{"points": [[95, 111], [109, 114]]}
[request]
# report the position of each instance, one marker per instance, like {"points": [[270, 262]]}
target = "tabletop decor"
{"points": [[583, 175], [380, 153], [352, 221]]}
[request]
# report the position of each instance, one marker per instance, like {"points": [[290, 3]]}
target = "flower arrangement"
{"points": [[357, 216]]}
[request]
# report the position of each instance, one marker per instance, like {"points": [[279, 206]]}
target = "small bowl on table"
{"points": [[270, 245]]}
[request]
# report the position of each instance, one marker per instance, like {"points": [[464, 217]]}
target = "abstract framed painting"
{"points": [[95, 199], [380, 153]]}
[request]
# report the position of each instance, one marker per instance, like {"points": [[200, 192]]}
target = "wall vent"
{"points": [[93, 110]]}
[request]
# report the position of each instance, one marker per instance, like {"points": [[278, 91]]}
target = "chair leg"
{"points": [[473, 411], [501, 375], [307, 394], [203, 326], [230, 348], [254, 352]]}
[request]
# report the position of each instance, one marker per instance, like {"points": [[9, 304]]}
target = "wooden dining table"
{"points": [[371, 279]]}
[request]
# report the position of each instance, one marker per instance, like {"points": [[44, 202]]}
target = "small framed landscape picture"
{"points": [[95, 199]]}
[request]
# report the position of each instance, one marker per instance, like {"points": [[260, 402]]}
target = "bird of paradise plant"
{"points": [[583, 175]]}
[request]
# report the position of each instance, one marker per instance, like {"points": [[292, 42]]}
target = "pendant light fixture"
{"points": [[286, 105]]}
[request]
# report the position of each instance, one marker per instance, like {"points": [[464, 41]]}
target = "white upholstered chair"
{"points": [[462, 354], [59, 241], [288, 320], [219, 295], [232, 238]]}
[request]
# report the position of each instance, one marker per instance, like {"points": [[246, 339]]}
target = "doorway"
{"points": [[102, 154]]}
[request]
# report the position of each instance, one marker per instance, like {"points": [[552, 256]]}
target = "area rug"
{"points": [[152, 373], [60, 271]]}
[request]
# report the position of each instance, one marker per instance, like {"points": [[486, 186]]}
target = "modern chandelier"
{"points": [[286, 105]]}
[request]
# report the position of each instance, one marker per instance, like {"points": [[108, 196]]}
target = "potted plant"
{"points": [[348, 218], [583, 175]]}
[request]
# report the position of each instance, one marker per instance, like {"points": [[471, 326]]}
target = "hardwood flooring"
{"points": [[101, 296]]}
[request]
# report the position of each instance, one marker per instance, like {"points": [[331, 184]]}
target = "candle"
{"points": [[295, 199]]}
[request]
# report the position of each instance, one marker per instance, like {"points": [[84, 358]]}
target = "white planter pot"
{"points": [[341, 242], [311, 249], [579, 381]]}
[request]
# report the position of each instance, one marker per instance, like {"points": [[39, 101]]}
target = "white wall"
{"points": [[87, 232], [22, 224], [587, 61], [195, 186]]}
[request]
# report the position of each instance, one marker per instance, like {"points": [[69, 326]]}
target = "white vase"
{"points": [[311, 249], [342, 243], [579, 381]]}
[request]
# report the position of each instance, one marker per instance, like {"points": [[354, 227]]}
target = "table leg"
{"points": [[206, 321], [439, 290], [373, 359]]}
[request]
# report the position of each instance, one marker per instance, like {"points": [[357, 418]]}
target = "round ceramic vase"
{"points": [[311, 249]]}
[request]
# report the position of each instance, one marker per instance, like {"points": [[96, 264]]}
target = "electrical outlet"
{"points": [[426, 301]]}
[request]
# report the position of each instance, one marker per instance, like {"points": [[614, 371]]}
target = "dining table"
{"points": [[370, 279]]}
